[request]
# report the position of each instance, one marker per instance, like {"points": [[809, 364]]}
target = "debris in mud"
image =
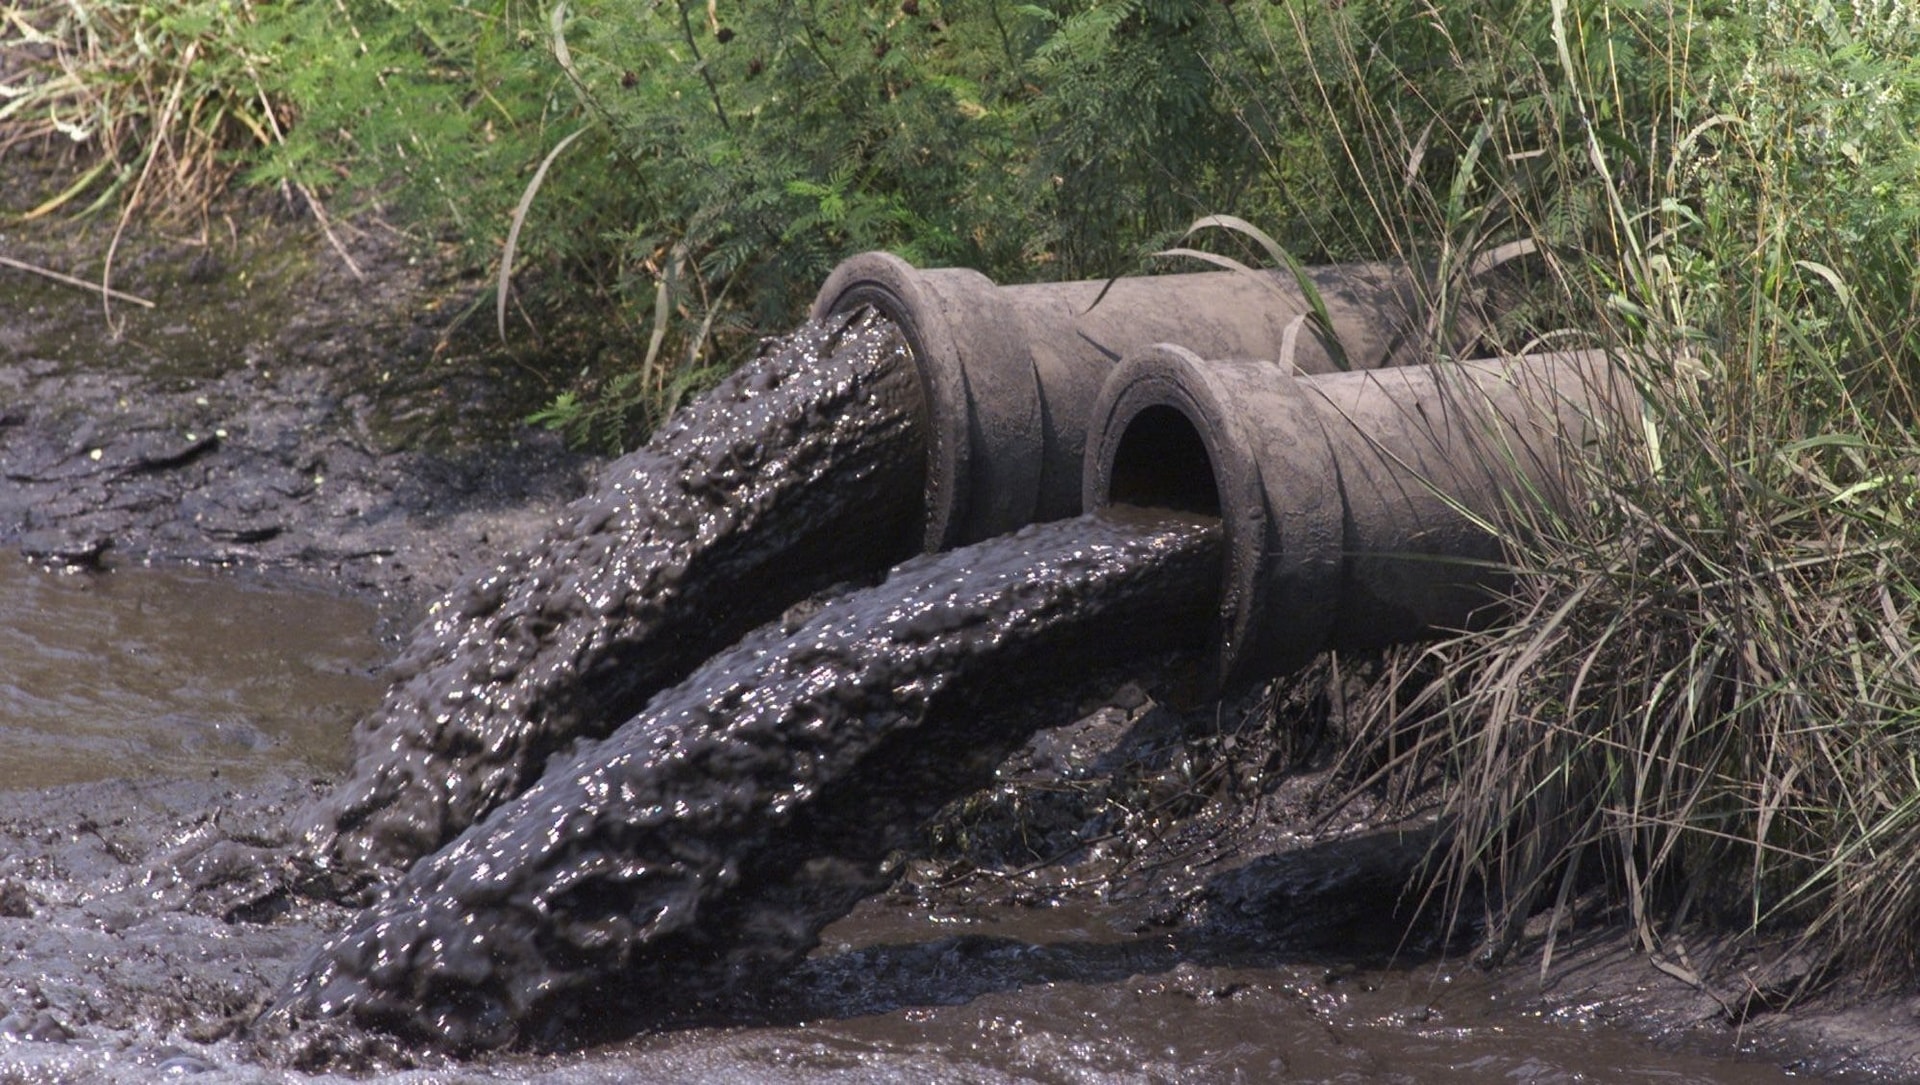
{"points": [[15, 902]]}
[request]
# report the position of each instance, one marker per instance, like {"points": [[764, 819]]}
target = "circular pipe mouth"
{"points": [[1173, 430], [1161, 461], [982, 395], [1354, 505], [889, 285]]}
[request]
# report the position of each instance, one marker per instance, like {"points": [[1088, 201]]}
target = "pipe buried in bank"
{"points": [[1011, 373], [1360, 509]]}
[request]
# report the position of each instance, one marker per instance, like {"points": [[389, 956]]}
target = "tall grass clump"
{"points": [[1707, 708], [149, 97]]}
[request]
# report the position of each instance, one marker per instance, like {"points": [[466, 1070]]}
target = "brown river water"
{"points": [[149, 675], [149, 672]]}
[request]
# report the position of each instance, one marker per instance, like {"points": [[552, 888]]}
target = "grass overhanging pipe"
{"points": [[1360, 509], [1011, 372]]}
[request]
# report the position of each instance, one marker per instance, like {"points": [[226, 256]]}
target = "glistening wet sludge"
{"points": [[704, 844], [801, 471]]}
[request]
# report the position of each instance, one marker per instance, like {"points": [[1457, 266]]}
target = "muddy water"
{"points": [[148, 672], [1085, 995], [109, 974], [802, 470]]}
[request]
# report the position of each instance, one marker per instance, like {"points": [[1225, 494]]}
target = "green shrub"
{"points": [[1710, 700], [728, 164]]}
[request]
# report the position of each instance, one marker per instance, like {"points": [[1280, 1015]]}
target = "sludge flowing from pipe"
{"points": [[802, 470], [700, 848], [1360, 509]]}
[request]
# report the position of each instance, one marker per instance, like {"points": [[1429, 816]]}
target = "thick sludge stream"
{"points": [[799, 472], [701, 847], [662, 877]]}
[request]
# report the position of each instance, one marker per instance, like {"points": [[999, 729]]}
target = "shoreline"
{"points": [[330, 442]]}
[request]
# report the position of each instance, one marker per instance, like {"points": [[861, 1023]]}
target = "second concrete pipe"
{"points": [[1360, 509], [1011, 372]]}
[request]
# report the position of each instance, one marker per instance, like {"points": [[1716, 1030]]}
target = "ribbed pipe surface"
{"points": [[1360, 509], [1011, 372]]}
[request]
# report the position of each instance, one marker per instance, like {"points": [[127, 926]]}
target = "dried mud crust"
{"points": [[271, 408]]}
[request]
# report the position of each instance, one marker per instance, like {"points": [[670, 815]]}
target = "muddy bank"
{"points": [[1141, 892], [270, 410]]}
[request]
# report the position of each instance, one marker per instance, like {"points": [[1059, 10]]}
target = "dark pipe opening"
{"points": [[1163, 463]]}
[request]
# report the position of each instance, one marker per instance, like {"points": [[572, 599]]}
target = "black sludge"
{"points": [[703, 845], [802, 470]]}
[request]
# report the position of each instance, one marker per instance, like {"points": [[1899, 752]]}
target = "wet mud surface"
{"points": [[1142, 890], [269, 411], [144, 925], [1137, 892], [801, 471]]}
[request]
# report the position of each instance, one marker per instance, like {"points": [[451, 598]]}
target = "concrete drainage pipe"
{"points": [[1011, 372], [1360, 509]]}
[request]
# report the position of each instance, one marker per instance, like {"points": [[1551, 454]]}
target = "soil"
{"points": [[270, 410], [275, 411]]}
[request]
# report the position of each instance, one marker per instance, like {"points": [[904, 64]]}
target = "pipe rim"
{"points": [[1160, 378], [894, 288], [982, 391], [1279, 494]]}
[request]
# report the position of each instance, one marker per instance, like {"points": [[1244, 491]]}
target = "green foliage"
{"points": [[439, 111], [734, 156], [1709, 701]]}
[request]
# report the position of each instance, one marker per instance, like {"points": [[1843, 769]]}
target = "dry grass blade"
{"points": [[504, 285], [82, 284], [164, 124]]}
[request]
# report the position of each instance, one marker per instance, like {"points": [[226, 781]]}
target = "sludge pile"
{"points": [[702, 844], [707, 841]]}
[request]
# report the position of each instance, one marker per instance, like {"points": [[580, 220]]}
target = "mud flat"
{"points": [[269, 411], [1141, 892]]}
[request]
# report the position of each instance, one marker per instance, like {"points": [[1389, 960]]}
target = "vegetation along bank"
{"points": [[1706, 718]]}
